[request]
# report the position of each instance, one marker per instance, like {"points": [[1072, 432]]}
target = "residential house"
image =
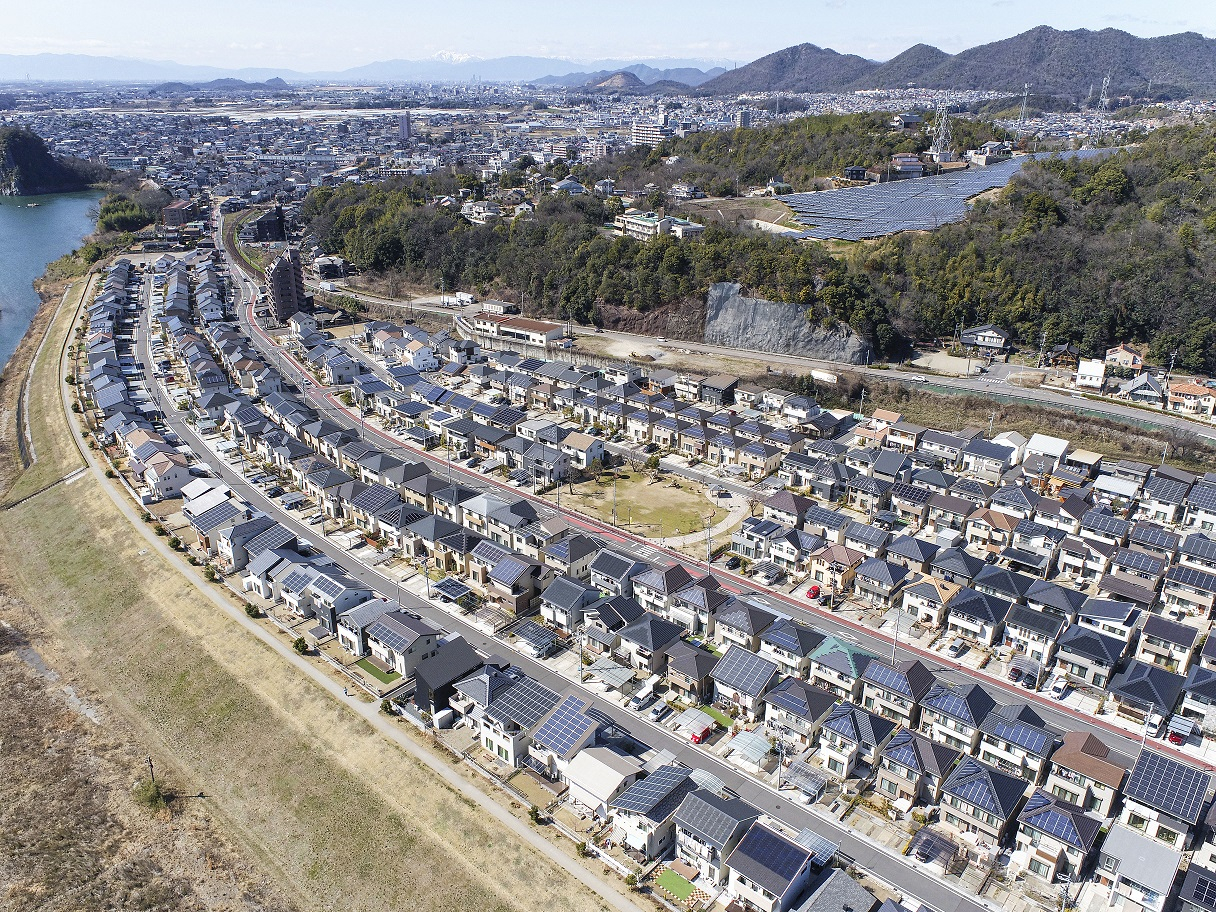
{"points": [[978, 799], [690, 672], [401, 641], [1016, 740], [1138, 871], [741, 679], [1145, 693], [1054, 837], [1032, 634], [708, 827], [645, 642], [742, 624], [1086, 772], [851, 736], [894, 691], [1088, 656], [1166, 814], [879, 582], [790, 644], [768, 872], [436, 677], [1167, 643], [951, 714], [928, 600], [977, 616], [913, 769], [597, 776], [644, 814], [795, 710]]}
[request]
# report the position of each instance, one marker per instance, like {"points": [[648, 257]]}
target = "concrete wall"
{"points": [[753, 323]]}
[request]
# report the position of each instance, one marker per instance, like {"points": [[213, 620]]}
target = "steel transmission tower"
{"points": [[940, 150]]}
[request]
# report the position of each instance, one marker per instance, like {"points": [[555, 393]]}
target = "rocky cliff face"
{"points": [[753, 323]]}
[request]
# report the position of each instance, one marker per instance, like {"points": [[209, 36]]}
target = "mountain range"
{"points": [[85, 68], [1071, 63], [1068, 63]]}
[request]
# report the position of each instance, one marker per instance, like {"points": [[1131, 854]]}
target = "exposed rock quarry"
{"points": [[770, 326]]}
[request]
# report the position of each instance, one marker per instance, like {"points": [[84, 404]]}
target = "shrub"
{"points": [[534, 814], [252, 610], [149, 793], [109, 473], [300, 645], [209, 574], [159, 529], [175, 543], [386, 707]]}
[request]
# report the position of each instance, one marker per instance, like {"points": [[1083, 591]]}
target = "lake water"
{"points": [[29, 239]]}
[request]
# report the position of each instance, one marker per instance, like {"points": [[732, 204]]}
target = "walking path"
{"points": [[737, 509]]}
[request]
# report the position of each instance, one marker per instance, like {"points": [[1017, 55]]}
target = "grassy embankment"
{"points": [[338, 815]]}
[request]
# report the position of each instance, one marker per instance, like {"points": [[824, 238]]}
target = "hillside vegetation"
{"points": [[1094, 252], [27, 168], [807, 148], [562, 263]]}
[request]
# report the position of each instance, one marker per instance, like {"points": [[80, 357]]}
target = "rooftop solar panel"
{"points": [[538, 637], [1168, 785], [644, 796], [565, 727], [452, 589], [744, 671]]}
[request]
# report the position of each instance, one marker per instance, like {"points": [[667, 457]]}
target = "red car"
{"points": [[1176, 739], [1015, 675], [813, 592]]}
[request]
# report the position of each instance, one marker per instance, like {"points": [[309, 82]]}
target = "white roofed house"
{"points": [[708, 827], [597, 776], [1137, 871], [644, 814]]}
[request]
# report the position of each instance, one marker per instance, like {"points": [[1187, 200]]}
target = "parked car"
{"points": [[733, 562], [1030, 682], [957, 647], [1015, 675], [918, 378], [314, 519], [1176, 738], [658, 712], [274, 491], [1058, 688], [701, 735], [813, 592]]}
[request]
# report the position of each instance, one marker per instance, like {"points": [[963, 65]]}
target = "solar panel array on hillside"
{"points": [[922, 203]]}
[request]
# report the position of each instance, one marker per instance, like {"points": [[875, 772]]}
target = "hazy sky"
{"points": [[311, 35]]}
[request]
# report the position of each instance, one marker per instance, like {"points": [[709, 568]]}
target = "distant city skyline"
{"points": [[310, 36]]}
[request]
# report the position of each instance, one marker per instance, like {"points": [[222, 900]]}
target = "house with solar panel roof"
{"points": [[1164, 799], [1053, 837], [850, 737], [980, 801], [708, 827], [794, 711], [696, 605], [1198, 890], [400, 640], [951, 714], [644, 814], [1016, 740], [1188, 594], [741, 679], [790, 645], [894, 691], [912, 769], [741, 624], [501, 707], [768, 871]]}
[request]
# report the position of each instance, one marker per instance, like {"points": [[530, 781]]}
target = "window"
{"points": [[889, 787], [1040, 868], [1165, 834], [1136, 822]]}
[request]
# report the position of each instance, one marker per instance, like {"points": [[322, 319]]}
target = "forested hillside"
{"points": [[1093, 252], [563, 263], [26, 167], [809, 147]]}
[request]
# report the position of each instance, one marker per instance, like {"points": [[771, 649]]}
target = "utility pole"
{"points": [[1170, 372], [991, 421], [614, 499], [151, 770]]}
